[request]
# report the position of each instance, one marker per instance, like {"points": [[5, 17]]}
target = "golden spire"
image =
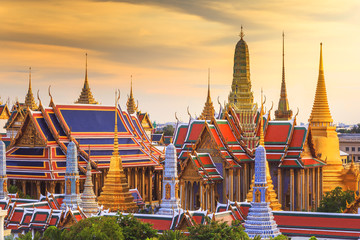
{"points": [[86, 96], [320, 114], [283, 112], [208, 111], [131, 107], [241, 33], [29, 98], [261, 141], [115, 194]]}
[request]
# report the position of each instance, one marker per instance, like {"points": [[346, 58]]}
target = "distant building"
{"points": [[350, 144]]}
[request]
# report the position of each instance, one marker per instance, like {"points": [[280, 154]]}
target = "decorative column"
{"points": [[306, 189], [302, 189], [150, 185], [23, 186], [298, 189], [313, 205], [38, 192], [208, 196], [292, 190], [143, 183], [191, 189], [231, 190], [280, 193], [245, 184], [62, 187], [238, 185], [72, 196], [136, 178], [3, 176], [201, 195], [170, 201], [318, 187]]}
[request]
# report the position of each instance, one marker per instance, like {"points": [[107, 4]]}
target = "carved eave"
{"points": [[5, 114], [29, 135], [190, 170], [145, 119]]}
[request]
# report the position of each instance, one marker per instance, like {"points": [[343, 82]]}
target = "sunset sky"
{"points": [[168, 45]]}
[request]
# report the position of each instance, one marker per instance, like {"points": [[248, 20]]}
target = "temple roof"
{"points": [[86, 96], [208, 111], [130, 104], [320, 114]]}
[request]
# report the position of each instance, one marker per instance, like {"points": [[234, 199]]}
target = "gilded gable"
{"points": [[30, 136]]}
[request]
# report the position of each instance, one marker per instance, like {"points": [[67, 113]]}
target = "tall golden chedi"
{"points": [[241, 97], [86, 96], [324, 136], [208, 111], [29, 98], [283, 112], [115, 194]]}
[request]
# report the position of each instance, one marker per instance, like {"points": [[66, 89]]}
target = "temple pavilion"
{"points": [[36, 151], [216, 153]]}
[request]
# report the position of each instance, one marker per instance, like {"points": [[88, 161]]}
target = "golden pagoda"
{"points": [[115, 193], [29, 98], [283, 112], [130, 104], [324, 136], [274, 202], [241, 97], [209, 110], [86, 96]]}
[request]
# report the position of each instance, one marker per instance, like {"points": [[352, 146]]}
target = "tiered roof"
{"points": [[48, 132]]}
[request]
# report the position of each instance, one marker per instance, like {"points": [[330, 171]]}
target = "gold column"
{"points": [[280, 186], [23, 185], [201, 194], [150, 185], [246, 186], [318, 187], [62, 187], [292, 207], [225, 182], [38, 189], [313, 190], [302, 189], [182, 194], [136, 178], [213, 198], [238, 185], [231, 192], [208, 197], [298, 189], [306, 189], [143, 183]]}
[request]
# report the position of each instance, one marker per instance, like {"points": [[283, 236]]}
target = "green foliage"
{"points": [[28, 236], [335, 200], [354, 129], [105, 228], [257, 237], [14, 189], [280, 237], [173, 235], [134, 229], [217, 231], [168, 130], [313, 238], [52, 233]]}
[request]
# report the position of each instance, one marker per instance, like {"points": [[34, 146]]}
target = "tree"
{"points": [[217, 231], [168, 130], [28, 236], [335, 200], [172, 235], [100, 228], [52, 233], [134, 229]]}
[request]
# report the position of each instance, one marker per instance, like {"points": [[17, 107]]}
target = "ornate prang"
{"points": [[88, 198], [72, 196], [130, 104], [209, 110], [170, 201], [260, 220]]}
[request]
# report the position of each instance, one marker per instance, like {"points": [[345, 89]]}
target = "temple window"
{"points": [[347, 149], [353, 149]]}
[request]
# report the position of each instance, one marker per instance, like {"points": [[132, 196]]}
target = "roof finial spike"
{"points": [[242, 33], [261, 142], [131, 93], [321, 67], [116, 141], [86, 75], [29, 78], [208, 82]]}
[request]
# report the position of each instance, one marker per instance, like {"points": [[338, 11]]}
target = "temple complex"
{"points": [[115, 194], [86, 96]]}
